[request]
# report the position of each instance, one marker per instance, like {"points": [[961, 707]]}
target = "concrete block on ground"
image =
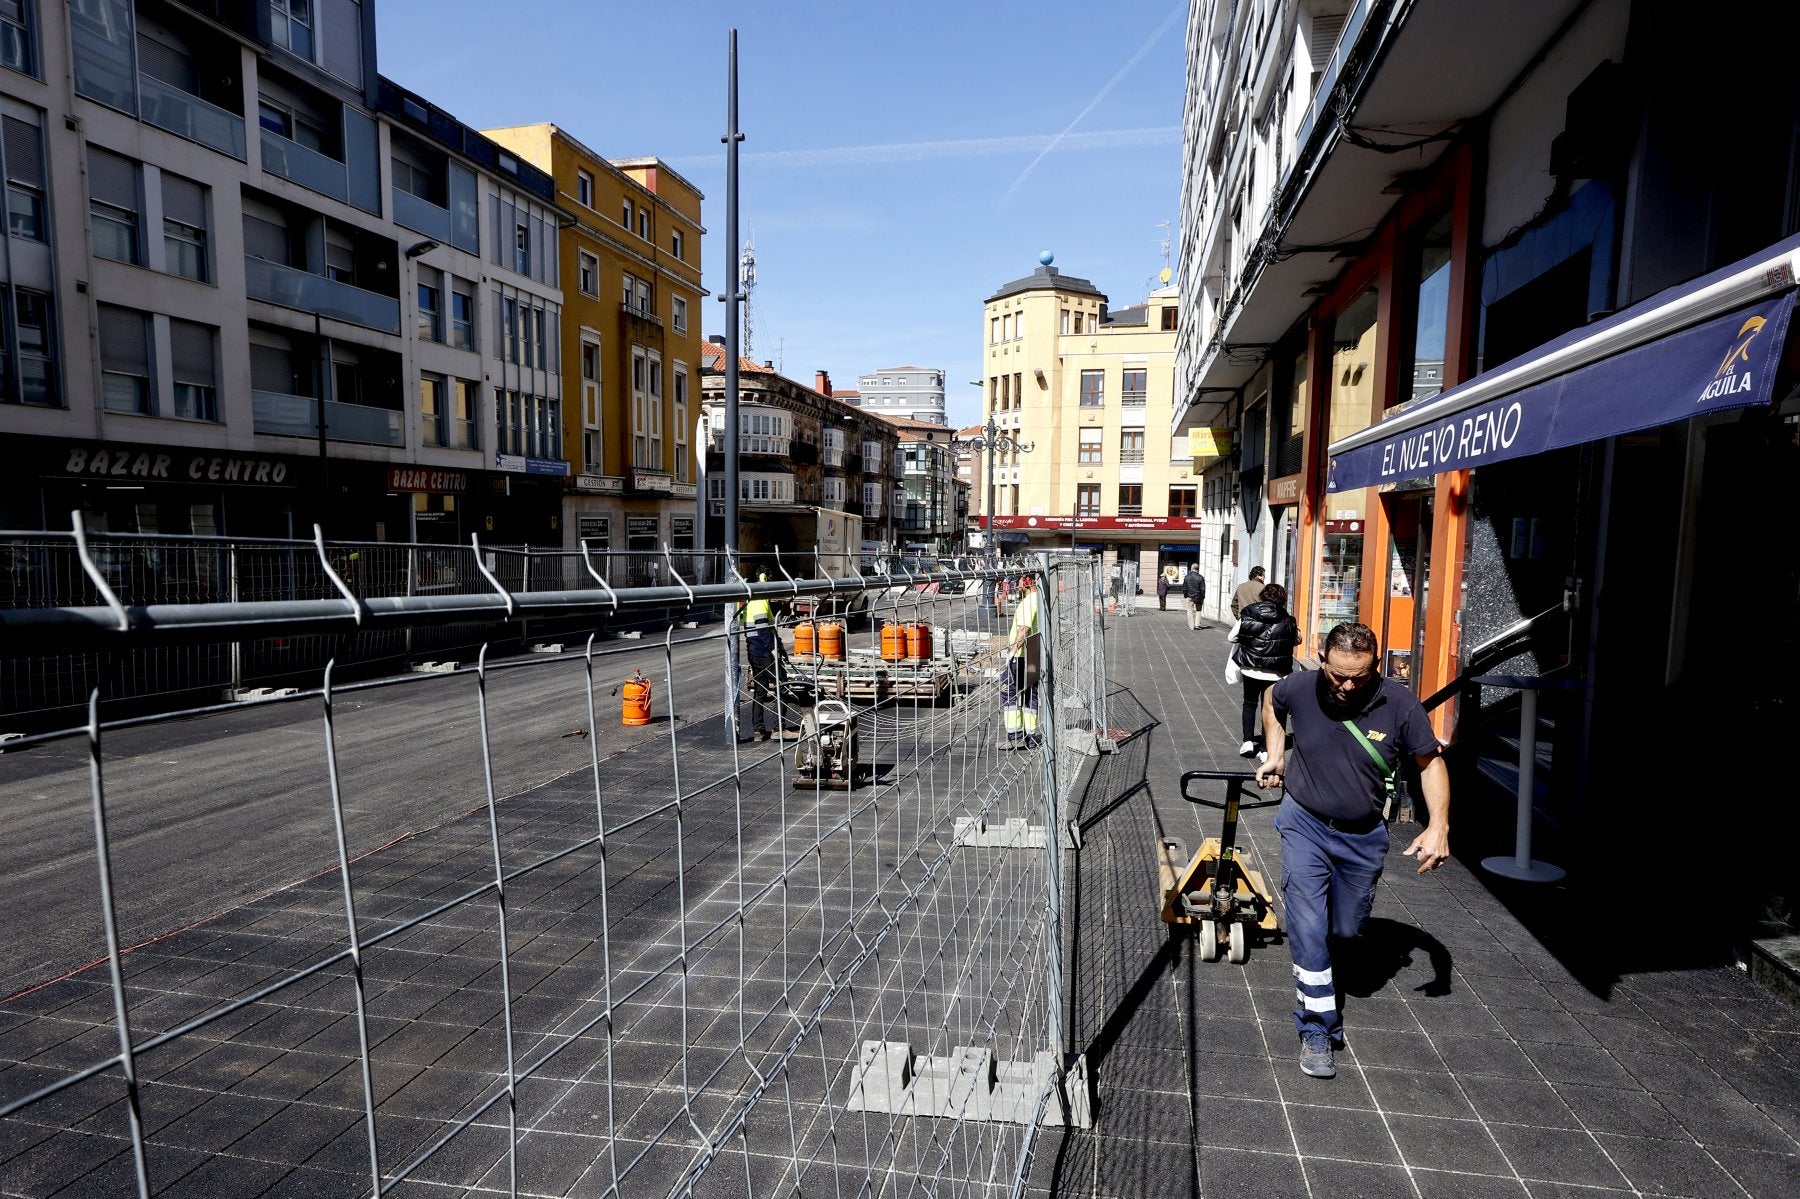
{"points": [[1015, 833], [249, 694], [437, 667], [958, 1086], [1019, 1088], [547, 647], [879, 1082]]}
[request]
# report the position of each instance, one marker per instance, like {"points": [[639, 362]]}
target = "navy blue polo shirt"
{"points": [[1328, 770]]}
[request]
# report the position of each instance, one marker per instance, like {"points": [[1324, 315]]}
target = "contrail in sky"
{"points": [[1099, 96], [961, 147]]}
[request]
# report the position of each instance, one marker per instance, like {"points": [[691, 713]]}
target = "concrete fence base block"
{"points": [[547, 647], [631, 635], [5, 737], [248, 694], [437, 667], [958, 1086], [883, 1072], [687, 624], [969, 1084], [1015, 833]]}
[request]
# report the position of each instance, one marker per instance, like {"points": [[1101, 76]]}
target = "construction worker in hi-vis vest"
{"points": [[1019, 702]]}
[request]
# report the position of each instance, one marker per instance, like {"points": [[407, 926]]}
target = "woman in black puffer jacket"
{"points": [[1263, 641]]}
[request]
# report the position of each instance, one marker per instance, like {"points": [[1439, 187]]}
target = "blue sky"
{"points": [[901, 161]]}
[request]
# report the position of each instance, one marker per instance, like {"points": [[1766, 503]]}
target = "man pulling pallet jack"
{"points": [[1351, 728]]}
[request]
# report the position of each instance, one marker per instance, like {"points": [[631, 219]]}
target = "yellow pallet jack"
{"points": [[1217, 889]]}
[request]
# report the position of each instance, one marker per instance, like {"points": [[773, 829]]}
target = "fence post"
{"points": [[412, 588], [1052, 744], [237, 644]]}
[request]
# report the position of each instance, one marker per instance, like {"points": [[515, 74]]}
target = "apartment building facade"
{"points": [[799, 450], [1090, 390], [911, 392], [1503, 356], [343, 314], [632, 293], [928, 522]]}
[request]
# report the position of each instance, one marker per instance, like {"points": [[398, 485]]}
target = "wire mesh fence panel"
{"points": [[740, 909]]}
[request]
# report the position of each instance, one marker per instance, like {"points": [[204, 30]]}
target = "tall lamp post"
{"points": [[990, 440]]}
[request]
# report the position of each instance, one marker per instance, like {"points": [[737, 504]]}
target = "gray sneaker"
{"points": [[1315, 1055]]}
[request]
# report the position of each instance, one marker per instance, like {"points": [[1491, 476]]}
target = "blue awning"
{"points": [[1705, 346]]}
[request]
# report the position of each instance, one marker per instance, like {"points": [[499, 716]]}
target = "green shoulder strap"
{"points": [[1387, 771]]}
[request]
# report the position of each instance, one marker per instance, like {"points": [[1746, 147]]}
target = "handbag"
{"points": [[1233, 676]]}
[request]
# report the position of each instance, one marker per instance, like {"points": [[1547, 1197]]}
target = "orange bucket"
{"points": [[893, 642], [636, 708], [803, 637], [831, 639], [918, 641]]}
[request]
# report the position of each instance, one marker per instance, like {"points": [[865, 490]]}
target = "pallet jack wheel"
{"points": [[1209, 941], [1240, 943]]}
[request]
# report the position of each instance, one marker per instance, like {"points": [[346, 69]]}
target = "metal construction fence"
{"points": [[553, 922], [39, 570]]}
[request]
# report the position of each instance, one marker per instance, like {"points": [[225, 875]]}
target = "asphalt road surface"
{"points": [[208, 812]]}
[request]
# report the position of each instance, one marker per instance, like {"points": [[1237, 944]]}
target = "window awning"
{"points": [[1703, 346]]}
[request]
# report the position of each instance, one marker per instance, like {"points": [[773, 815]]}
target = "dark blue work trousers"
{"points": [[1328, 882]]}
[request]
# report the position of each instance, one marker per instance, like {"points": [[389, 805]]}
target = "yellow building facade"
{"points": [[1092, 391], [630, 341]]}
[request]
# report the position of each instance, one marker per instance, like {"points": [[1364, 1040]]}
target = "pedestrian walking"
{"points": [[1019, 698], [1193, 590], [1352, 729], [1130, 589], [1162, 589], [1248, 592], [1262, 645]]}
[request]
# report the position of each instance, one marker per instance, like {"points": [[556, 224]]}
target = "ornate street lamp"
{"points": [[990, 440]]}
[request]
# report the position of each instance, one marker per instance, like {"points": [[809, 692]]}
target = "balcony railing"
{"points": [[804, 451], [309, 168], [307, 292], [853, 463], [1131, 509], [1133, 399], [298, 416], [1131, 456], [421, 215], [168, 107]]}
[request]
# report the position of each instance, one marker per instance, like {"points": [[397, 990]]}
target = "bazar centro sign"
{"points": [[172, 465]]}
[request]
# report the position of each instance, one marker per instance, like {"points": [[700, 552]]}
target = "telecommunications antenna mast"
{"points": [[746, 285]]}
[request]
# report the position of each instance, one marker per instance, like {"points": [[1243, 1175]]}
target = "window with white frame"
{"points": [[590, 403], [584, 188], [643, 223], [677, 244], [124, 360], [184, 228], [193, 369], [587, 274], [1090, 451], [684, 466], [678, 314], [113, 206], [625, 214], [462, 314], [431, 304]]}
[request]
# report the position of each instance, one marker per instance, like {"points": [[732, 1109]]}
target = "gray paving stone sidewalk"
{"points": [[1478, 1064]]}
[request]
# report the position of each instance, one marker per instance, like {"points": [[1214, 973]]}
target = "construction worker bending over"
{"points": [[1019, 702]]}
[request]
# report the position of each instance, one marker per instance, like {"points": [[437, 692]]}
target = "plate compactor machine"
{"points": [[1218, 889], [826, 754]]}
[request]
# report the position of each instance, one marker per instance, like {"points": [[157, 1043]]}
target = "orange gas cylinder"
{"points": [[803, 637], [893, 642], [918, 641], [636, 708], [831, 639]]}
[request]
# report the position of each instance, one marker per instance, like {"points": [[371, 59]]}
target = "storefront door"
{"points": [[1408, 583]]}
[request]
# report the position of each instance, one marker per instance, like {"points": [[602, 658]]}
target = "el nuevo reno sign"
{"points": [[1726, 362]]}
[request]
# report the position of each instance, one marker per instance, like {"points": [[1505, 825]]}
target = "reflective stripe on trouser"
{"points": [[1018, 703], [1327, 888]]}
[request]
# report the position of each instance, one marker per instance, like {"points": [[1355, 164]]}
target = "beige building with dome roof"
{"points": [[1091, 389]]}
